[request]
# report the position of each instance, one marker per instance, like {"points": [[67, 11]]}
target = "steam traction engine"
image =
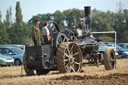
{"points": [[66, 51]]}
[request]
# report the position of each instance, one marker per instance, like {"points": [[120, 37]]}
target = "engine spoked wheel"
{"points": [[70, 34], [109, 59], [69, 58], [60, 38]]}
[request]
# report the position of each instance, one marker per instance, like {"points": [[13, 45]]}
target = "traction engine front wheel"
{"points": [[109, 59]]}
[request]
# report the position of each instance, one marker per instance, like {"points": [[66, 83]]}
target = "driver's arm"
{"points": [[48, 35]]}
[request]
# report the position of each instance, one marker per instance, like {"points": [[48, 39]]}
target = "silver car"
{"points": [[14, 52], [5, 60]]}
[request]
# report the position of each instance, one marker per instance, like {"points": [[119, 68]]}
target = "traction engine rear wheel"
{"points": [[69, 57], [31, 72], [109, 59], [28, 71]]}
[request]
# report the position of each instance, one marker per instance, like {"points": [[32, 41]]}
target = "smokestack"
{"points": [[87, 11]]}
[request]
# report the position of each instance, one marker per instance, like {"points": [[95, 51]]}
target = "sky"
{"points": [[33, 7]]}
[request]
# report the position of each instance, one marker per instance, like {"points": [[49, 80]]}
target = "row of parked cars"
{"points": [[11, 54], [121, 49]]}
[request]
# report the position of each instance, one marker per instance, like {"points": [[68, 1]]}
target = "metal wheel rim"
{"points": [[71, 58], [60, 39]]}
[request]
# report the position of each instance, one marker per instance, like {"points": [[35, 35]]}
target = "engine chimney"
{"points": [[87, 11]]}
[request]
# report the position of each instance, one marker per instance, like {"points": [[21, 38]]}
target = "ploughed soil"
{"points": [[92, 75]]}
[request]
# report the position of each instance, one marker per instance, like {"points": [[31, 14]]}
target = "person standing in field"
{"points": [[36, 33]]}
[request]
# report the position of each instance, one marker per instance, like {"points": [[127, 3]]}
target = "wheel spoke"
{"points": [[60, 39], [68, 51], [66, 55], [65, 60], [76, 63], [75, 53], [58, 42], [71, 49], [64, 39], [72, 68], [67, 67]]}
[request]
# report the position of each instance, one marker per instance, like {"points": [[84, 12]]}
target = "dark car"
{"points": [[123, 45], [122, 52]]}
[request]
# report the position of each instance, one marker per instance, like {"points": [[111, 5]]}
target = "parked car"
{"points": [[6, 61], [122, 52], [13, 52], [14, 45], [103, 47], [123, 45]]}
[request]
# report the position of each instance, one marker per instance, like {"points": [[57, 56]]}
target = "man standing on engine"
{"points": [[36, 33]]}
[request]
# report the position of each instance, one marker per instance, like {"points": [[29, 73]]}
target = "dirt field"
{"points": [[92, 75]]}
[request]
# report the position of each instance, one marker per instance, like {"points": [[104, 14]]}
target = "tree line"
{"points": [[20, 32], [17, 32]]}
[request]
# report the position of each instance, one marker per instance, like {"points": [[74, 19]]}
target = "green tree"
{"points": [[20, 34], [102, 21], [27, 33], [59, 18], [0, 17], [4, 38], [19, 17], [106, 39], [8, 20], [73, 16], [42, 17], [121, 25]]}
